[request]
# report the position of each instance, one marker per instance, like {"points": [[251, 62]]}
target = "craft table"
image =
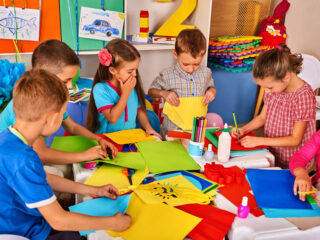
{"points": [[236, 92]]}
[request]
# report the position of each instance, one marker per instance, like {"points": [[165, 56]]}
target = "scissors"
{"points": [[128, 172]]}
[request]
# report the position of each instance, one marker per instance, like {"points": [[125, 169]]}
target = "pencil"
{"points": [[235, 122], [193, 129], [204, 129]]}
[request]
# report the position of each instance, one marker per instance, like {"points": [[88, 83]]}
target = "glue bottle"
{"points": [[243, 209], [224, 145], [209, 155]]}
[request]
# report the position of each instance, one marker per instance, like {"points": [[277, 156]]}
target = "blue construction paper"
{"points": [[274, 189], [101, 207], [243, 153], [198, 182], [285, 213], [128, 148]]}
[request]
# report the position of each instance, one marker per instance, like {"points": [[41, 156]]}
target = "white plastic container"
{"points": [[224, 145]]}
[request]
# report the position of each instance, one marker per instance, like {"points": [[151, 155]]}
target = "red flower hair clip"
{"points": [[105, 57]]}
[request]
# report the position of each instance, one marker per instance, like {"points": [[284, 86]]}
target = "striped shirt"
{"points": [[184, 85]]}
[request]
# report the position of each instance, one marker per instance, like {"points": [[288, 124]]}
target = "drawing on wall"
{"points": [[100, 24], [21, 23]]}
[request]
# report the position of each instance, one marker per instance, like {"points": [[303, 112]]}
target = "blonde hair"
{"points": [[36, 93]]}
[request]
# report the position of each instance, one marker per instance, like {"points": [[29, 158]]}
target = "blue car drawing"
{"points": [[101, 26]]}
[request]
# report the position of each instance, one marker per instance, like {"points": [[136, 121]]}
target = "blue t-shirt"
{"points": [[8, 118], [24, 188], [106, 96]]}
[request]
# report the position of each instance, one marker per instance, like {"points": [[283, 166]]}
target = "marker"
{"points": [[235, 122]]}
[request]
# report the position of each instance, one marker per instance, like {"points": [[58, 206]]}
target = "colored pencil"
{"points": [[193, 129], [235, 122], [204, 129]]}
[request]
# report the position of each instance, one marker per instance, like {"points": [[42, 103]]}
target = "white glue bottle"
{"points": [[224, 145]]}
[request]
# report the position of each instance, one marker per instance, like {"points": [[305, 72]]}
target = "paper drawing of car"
{"points": [[101, 26]]}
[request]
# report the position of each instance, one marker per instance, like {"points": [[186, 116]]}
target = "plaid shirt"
{"points": [[184, 85], [283, 110]]}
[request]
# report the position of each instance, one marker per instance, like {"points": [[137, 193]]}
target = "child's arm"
{"points": [[144, 121], [48, 155], [209, 95], [170, 96], [113, 114], [62, 220], [288, 141], [68, 221], [256, 123], [75, 129]]}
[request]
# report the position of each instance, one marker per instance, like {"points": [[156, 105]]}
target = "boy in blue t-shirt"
{"points": [[28, 205], [188, 78]]}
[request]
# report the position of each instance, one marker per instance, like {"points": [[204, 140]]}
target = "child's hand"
{"points": [[151, 131], [303, 182], [105, 145], [171, 97], [108, 191], [128, 86], [236, 135], [121, 222], [94, 153], [209, 96], [250, 141]]}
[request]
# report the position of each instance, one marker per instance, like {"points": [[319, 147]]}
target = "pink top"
{"points": [[306, 154], [283, 110]]}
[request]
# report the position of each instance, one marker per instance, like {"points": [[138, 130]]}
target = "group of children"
{"points": [[38, 108]]}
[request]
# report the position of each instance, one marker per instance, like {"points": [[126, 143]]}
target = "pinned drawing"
{"points": [[100, 24], [23, 24]]}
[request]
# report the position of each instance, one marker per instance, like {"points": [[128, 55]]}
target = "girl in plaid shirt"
{"points": [[288, 114]]}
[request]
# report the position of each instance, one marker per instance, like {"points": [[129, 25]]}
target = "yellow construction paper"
{"points": [[109, 174], [129, 136], [156, 222], [188, 108], [173, 191]]}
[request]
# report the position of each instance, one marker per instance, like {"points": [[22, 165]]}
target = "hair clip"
{"points": [[105, 57], [279, 47]]}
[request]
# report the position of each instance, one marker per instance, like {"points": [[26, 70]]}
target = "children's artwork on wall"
{"points": [[100, 24], [20, 23]]}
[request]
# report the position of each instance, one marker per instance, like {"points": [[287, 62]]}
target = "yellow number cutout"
{"points": [[173, 26]]}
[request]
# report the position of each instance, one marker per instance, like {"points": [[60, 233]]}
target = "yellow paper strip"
{"points": [[129, 136]]}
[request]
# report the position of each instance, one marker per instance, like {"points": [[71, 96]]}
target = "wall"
{"points": [[303, 26]]}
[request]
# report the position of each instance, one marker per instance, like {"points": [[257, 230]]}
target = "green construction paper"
{"points": [[166, 156], [80, 144], [68, 21], [128, 160]]}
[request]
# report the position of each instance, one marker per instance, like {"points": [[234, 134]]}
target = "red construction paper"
{"points": [[236, 146], [215, 224], [234, 193]]}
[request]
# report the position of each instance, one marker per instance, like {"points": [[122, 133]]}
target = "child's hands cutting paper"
{"points": [[107, 146], [94, 153], [108, 191]]}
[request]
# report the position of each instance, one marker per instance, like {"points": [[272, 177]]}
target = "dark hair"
{"points": [[53, 55], [36, 93], [121, 51], [276, 63], [191, 41]]}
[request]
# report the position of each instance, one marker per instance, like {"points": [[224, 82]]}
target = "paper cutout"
{"points": [[234, 193], [215, 224], [101, 207], [188, 108], [173, 191], [156, 222], [129, 136], [100, 24], [166, 156], [80, 144], [108, 174], [23, 22], [274, 189]]}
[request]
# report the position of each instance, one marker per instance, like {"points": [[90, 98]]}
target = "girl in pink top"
{"points": [[288, 114], [299, 163]]}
